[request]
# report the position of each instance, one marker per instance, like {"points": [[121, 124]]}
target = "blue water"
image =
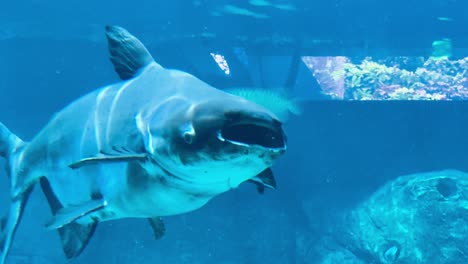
{"points": [[339, 153]]}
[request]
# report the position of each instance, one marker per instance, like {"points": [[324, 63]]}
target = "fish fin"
{"points": [[70, 214], [9, 143], [264, 179], [260, 187], [102, 158], [53, 201], [22, 184], [157, 224], [74, 237], [128, 55], [11, 147], [10, 222]]}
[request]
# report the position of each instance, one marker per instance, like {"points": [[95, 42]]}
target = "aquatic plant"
{"points": [[432, 79]]}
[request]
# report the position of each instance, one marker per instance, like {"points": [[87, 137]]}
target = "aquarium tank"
{"points": [[234, 132]]}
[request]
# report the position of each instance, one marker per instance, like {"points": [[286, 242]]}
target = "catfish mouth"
{"points": [[255, 133]]}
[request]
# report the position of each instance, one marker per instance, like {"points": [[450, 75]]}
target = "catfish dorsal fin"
{"points": [[128, 55]]}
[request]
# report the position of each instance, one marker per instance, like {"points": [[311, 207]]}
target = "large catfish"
{"points": [[159, 143]]}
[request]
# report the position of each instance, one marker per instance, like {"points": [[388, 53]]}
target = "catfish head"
{"points": [[218, 142], [197, 133]]}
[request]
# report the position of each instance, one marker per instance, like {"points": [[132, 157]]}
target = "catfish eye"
{"points": [[188, 133], [188, 137]]}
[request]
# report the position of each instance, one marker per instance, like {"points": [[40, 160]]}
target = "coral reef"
{"points": [[400, 78]]}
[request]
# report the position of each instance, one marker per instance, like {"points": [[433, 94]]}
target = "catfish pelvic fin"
{"points": [[74, 237], [158, 227], [128, 55], [68, 215]]}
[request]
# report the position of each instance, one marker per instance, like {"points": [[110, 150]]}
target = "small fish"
{"points": [[235, 10], [441, 49], [264, 3], [160, 142], [445, 19]]}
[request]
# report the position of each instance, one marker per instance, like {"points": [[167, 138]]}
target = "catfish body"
{"points": [[159, 143]]}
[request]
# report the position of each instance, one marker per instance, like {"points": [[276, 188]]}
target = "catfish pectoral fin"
{"points": [[107, 159], [70, 214], [264, 179], [267, 178]]}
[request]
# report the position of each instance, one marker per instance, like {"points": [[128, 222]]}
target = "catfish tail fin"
{"points": [[9, 145], [10, 148], [10, 222]]}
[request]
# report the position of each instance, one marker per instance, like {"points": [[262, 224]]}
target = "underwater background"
{"points": [[350, 66]]}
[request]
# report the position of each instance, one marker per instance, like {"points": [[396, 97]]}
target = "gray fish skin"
{"points": [[161, 143], [114, 117]]}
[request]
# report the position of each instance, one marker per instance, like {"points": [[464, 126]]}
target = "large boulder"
{"points": [[419, 218]]}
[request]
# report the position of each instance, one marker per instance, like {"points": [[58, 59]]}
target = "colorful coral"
{"points": [[401, 78]]}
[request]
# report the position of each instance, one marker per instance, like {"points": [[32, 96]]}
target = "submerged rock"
{"points": [[419, 218]]}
